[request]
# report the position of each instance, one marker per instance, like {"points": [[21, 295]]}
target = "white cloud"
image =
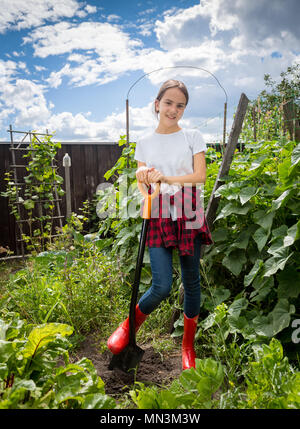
{"points": [[107, 61], [69, 127], [39, 68], [20, 14], [28, 101], [89, 72], [75, 127], [253, 25], [113, 17], [260, 22], [183, 28], [234, 40], [21, 97], [106, 39], [90, 9], [108, 51], [7, 70]]}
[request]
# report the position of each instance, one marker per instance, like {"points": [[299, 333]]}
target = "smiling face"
{"points": [[170, 107]]}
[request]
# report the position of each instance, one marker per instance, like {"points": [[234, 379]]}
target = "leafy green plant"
{"points": [[265, 118], [31, 375], [124, 223], [79, 287], [271, 380], [193, 389], [256, 252]]}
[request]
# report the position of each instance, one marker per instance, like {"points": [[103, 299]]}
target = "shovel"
{"points": [[129, 358]]}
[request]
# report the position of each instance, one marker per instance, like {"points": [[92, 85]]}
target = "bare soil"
{"points": [[154, 368]]}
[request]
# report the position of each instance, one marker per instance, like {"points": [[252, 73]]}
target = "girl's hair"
{"points": [[172, 83]]}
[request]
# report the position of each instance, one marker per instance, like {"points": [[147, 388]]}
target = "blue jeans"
{"points": [[162, 278]]}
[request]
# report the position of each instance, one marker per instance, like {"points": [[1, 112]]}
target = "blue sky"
{"points": [[67, 65]]}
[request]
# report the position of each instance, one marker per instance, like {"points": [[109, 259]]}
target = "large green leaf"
{"points": [[293, 234], [276, 320], [281, 200], [264, 219], [262, 286], [7, 350], [280, 242], [248, 279], [41, 335], [284, 170], [277, 262], [15, 397], [235, 261], [295, 158], [247, 193], [261, 236], [281, 231], [229, 190], [259, 162], [98, 401], [212, 376], [237, 306], [219, 234], [289, 283], [205, 378], [242, 240], [234, 208]]}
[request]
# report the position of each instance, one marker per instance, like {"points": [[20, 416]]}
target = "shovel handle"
{"points": [[148, 198]]}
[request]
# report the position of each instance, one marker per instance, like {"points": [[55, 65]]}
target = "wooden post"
{"points": [[254, 123], [224, 125], [227, 158], [292, 119], [127, 128], [127, 122], [67, 165]]}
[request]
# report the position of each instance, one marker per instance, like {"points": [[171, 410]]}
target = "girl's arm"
{"points": [[198, 175]]}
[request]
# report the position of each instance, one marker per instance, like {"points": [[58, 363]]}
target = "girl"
{"points": [[175, 158]]}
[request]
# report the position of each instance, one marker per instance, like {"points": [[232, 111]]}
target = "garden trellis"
{"points": [[34, 198], [177, 67]]}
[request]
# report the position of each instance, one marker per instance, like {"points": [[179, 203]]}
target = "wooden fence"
{"points": [[90, 161]]}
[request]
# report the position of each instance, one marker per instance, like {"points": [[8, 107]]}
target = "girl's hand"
{"points": [[155, 176], [142, 174]]}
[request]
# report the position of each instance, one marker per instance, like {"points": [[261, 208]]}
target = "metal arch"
{"points": [[174, 67], [177, 67]]}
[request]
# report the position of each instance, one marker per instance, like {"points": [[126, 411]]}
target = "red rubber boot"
{"points": [[120, 338], [188, 352]]}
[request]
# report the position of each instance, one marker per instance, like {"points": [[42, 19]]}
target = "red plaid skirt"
{"points": [[180, 233]]}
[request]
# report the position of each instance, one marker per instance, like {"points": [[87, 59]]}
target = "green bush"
{"points": [[193, 389], [31, 375], [254, 263], [81, 287], [270, 382]]}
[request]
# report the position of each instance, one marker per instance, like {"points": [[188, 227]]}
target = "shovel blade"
{"points": [[128, 360]]}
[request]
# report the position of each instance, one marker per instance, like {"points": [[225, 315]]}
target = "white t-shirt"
{"points": [[171, 154]]}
